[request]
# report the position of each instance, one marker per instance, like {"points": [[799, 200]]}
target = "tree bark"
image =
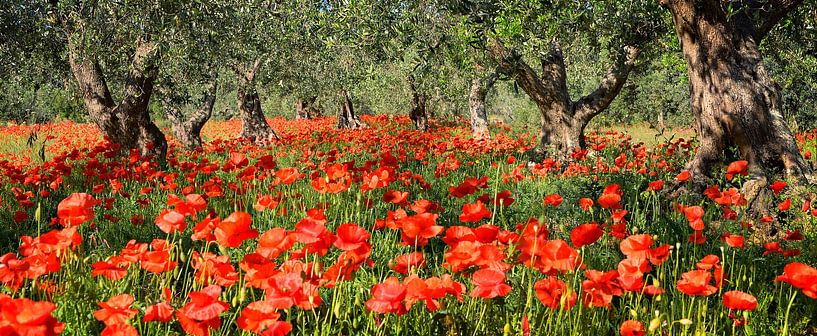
{"points": [[563, 120], [128, 123], [188, 131], [305, 108], [254, 123], [347, 119], [734, 100], [480, 86], [418, 113]]}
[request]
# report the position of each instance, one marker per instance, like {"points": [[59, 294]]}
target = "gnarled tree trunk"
{"points": [[480, 86], [418, 113], [563, 120], [347, 119], [128, 123], [254, 124], [734, 100], [305, 108], [188, 131]]}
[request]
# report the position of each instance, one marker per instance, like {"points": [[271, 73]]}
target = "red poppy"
{"points": [[160, 312], [116, 310], [234, 230], [409, 261], [655, 185], [585, 234], [739, 300], [489, 283], [735, 241], [396, 197], [287, 175], [694, 215], [737, 168], [632, 328], [636, 246], [387, 297], [202, 313], [801, 276], [28, 318], [683, 176], [110, 269], [351, 237], [696, 283], [274, 242], [550, 291], [170, 221], [610, 201], [76, 209], [600, 287], [260, 317], [419, 228], [119, 330], [553, 199], [793, 235], [586, 203], [777, 187], [265, 202], [472, 213]]}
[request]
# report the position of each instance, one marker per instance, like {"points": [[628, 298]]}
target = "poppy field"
{"points": [[391, 231]]}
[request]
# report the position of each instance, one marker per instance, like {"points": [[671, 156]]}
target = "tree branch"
{"points": [[770, 14], [592, 104]]}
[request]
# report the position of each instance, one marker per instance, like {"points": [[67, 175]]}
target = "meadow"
{"points": [[392, 231]]}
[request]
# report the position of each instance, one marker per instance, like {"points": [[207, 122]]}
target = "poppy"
{"points": [[274, 242], [735, 241], [396, 197], [586, 203], [801, 276], [585, 234], [489, 283], [696, 283], [610, 201], [694, 216], [160, 312], [632, 328], [737, 168], [26, 317], [116, 310], [472, 213], [553, 199], [777, 187], [739, 300], [655, 185], [234, 230], [202, 313], [387, 297], [76, 209], [170, 221], [260, 317], [683, 176], [419, 228], [636, 246], [406, 262], [119, 330], [351, 237], [550, 292], [600, 287]]}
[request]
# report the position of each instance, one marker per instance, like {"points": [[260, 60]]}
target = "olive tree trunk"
{"points": [[127, 123], [734, 100], [347, 119], [188, 131], [418, 113], [254, 124], [305, 108], [563, 120], [480, 86]]}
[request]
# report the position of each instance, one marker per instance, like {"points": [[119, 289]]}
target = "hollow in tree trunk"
{"points": [[734, 100], [305, 108], [418, 113], [480, 86], [128, 123], [563, 120], [347, 119], [188, 131], [254, 124]]}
